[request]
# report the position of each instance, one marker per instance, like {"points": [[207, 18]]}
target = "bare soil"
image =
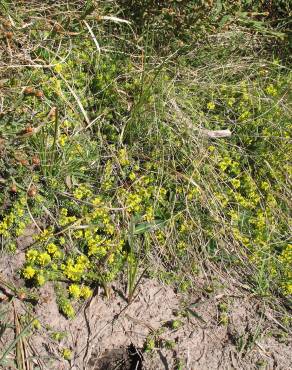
{"points": [[186, 329]]}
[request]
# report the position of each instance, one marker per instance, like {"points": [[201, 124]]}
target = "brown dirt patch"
{"points": [[110, 334], [103, 331]]}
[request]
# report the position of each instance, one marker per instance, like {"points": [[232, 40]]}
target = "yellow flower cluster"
{"points": [[101, 217], [28, 272], [271, 90], [211, 105], [77, 291], [44, 259], [134, 202], [108, 178], [54, 251], [82, 191], [5, 225], [149, 214], [35, 261], [15, 220], [40, 278], [225, 163], [67, 353], [62, 140], [186, 226], [193, 193], [97, 245], [123, 157], [64, 219], [142, 196], [286, 260], [78, 234], [74, 291], [45, 235], [235, 183], [32, 255], [286, 255], [74, 270]]}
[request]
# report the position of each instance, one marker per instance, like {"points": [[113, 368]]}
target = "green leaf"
{"points": [[195, 314]]}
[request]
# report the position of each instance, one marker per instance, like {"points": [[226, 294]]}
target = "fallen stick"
{"points": [[213, 134]]}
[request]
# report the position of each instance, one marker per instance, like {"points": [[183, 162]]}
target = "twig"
{"points": [[213, 134], [93, 36]]}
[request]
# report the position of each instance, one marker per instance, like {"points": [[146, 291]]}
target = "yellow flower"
{"points": [[58, 68], [97, 201], [36, 324], [32, 255], [287, 288], [231, 101], [133, 202], [265, 185], [19, 212], [28, 272], [83, 260], [62, 140], [211, 106], [54, 266], [20, 229], [181, 245], [65, 220], [66, 353], [225, 163], [45, 235], [82, 192], [78, 234], [132, 176], [235, 183], [65, 124], [74, 291], [271, 90], [44, 259], [52, 248], [4, 228], [111, 258], [149, 216], [286, 255], [62, 240], [123, 157], [96, 249], [109, 229], [86, 292], [40, 278], [57, 254], [11, 247], [193, 193], [64, 211], [73, 271]]}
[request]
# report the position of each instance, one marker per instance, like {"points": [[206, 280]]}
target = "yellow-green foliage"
{"points": [[117, 137]]}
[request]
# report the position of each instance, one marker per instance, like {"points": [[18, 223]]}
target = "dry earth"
{"points": [[110, 334]]}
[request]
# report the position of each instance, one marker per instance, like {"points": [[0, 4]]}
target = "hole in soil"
{"points": [[129, 358]]}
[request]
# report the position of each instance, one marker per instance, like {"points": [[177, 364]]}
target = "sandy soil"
{"points": [[110, 334]]}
